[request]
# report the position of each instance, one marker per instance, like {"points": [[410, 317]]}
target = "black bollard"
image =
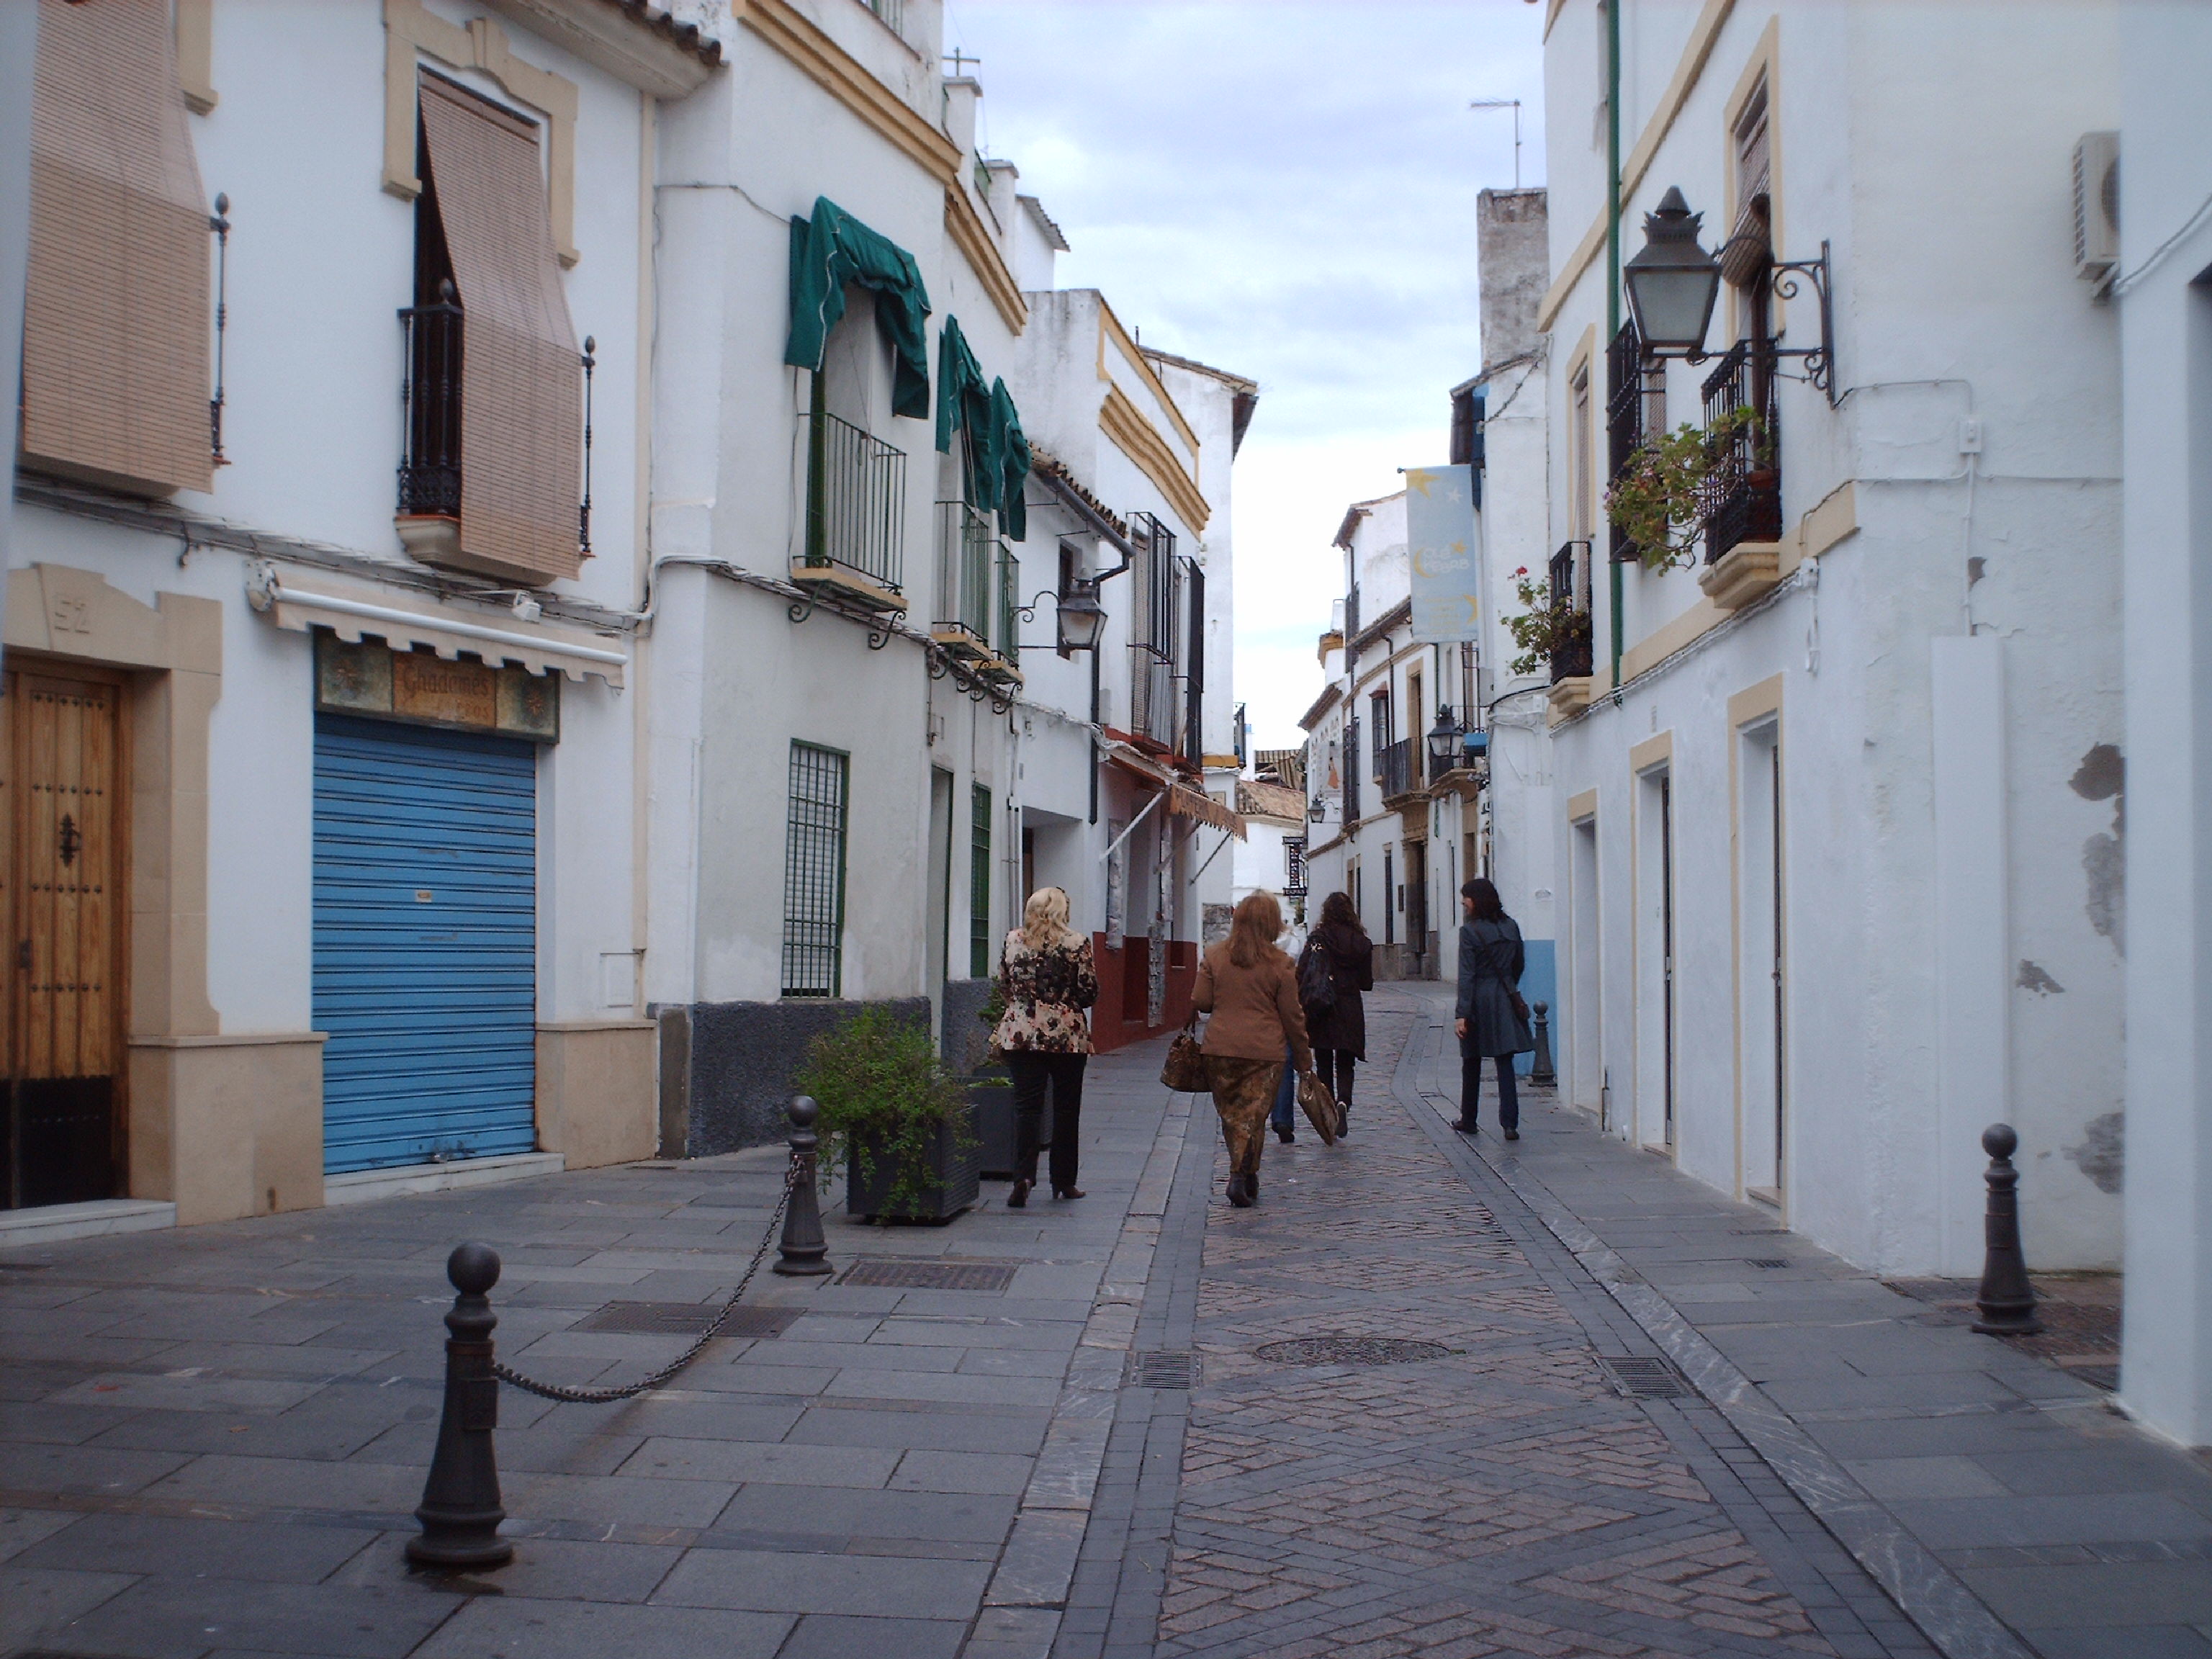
{"points": [[804, 1252], [1540, 1069], [460, 1511], [2007, 1299]]}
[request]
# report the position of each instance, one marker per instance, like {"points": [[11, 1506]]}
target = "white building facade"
{"points": [[1836, 802]]}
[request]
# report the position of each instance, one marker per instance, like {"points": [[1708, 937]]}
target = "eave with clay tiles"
{"points": [[640, 44], [1330, 696]]}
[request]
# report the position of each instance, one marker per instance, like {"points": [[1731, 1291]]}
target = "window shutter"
{"points": [[115, 311], [522, 387]]}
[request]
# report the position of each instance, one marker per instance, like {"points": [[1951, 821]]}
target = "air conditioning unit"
{"points": [[2097, 206]]}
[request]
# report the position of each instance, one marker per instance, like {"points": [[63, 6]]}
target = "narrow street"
{"points": [[213, 1438]]}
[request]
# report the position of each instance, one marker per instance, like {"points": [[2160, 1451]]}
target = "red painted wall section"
{"points": [[1118, 1018]]}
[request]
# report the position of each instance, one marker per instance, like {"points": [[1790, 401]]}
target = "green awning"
{"points": [[834, 248], [997, 453]]}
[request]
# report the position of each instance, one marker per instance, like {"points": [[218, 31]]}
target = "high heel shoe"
{"points": [[1018, 1197], [1067, 1192]]}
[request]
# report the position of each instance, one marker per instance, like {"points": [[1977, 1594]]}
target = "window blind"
{"points": [[522, 393], [115, 312]]}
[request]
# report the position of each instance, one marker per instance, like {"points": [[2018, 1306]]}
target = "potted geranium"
{"points": [[900, 1123]]}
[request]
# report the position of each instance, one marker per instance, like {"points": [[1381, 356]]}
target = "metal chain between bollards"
{"points": [[798, 1170]]}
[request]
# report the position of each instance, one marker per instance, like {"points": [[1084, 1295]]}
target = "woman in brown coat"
{"points": [[1251, 989]]}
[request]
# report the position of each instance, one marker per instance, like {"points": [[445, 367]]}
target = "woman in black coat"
{"points": [[1337, 1029], [1490, 1018]]}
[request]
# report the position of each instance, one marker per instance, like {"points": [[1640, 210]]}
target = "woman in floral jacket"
{"points": [[1047, 978]]}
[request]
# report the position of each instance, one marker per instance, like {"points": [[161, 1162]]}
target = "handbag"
{"points": [[1184, 1069], [1320, 1108], [1316, 978]]}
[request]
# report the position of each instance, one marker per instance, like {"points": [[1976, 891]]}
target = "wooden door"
{"points": [[60, 775]]}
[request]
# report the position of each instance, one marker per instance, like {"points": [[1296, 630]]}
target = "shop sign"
{"points": [[425, 688]]}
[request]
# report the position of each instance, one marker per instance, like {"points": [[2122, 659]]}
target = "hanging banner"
{"points": [[1442, 545]]}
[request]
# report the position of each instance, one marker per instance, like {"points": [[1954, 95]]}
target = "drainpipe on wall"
{"points": [[1612, 268]]}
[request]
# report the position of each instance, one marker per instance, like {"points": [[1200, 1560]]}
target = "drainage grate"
{"points": [[1757, 1232], [1161, 1370], [899, 1273], [1643, 1377], [687, 1319], [1350, 1350], [1765, 1262]]}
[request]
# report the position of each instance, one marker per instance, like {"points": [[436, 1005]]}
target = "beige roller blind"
{"points": [[522, 384], [115, 313]]}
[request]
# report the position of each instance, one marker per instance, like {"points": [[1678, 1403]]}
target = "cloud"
{"points": [[1286, 190]]}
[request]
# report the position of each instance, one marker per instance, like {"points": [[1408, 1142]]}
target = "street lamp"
{"points": [[1081, 618], [1672, 282], [1444, 741]]}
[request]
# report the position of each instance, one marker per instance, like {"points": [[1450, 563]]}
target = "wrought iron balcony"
{"points": [[855, 511], [1570, 578], [1152, 697], [1399, 768], [966, 567], [430, 410], [1741, 500]]}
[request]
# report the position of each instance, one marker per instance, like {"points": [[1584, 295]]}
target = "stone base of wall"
{"points": [[725, 1067], [228, 1126], [595, 1093]]}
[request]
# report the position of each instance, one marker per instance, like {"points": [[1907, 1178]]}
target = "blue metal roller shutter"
{"points": [[425, 943]]}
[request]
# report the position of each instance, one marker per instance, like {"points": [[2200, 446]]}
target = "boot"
{"points": [[1237, 1193]]}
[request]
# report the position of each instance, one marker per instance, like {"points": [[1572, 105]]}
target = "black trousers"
{"points": [[1470, 1085], [1030, 1073], [1334, 1066]]}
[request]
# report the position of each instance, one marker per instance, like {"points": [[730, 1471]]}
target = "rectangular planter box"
{"points": [[994, 1127], [955, 1189]]}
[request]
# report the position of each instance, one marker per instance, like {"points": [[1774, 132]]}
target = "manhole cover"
{"points": [[687, 1319], [1643, 1377], [1765, 1262], [904, 1275], [1350, 1350], [1161, 1371]]}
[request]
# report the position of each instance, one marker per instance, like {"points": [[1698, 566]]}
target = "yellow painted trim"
{"points": [[1652, 752], [1755, 702], [1551, 15], [1110, 328], [1833, 518], [1581, 808], [965, 226], [1583, 361], [1762, 68], [1127, 428], [409, 32], [1669, 637], [838, 73], [195, 33], [1703, 34]]}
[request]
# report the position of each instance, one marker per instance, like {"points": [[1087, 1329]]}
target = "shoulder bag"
{"points": [[1184, 1069], [1316, 977]]}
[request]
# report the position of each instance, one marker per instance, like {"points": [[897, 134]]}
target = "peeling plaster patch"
{"points": [[2102, 1154], [2104, 865], [2033, 978], [2102, 774]]}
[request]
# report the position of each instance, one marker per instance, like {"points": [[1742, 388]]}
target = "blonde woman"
{"points": [[1047, 978], [1251, 989]]}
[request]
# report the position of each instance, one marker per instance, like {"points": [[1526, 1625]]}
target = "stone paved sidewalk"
{"points": [[211, 1440], [1972, 1476], [1490, 1492]]}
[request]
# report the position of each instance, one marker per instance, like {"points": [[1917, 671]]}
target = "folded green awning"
{"points": [[834, 248], [997, 453]]}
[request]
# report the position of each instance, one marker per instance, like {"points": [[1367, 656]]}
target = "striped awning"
{"points": [[352, 612]]}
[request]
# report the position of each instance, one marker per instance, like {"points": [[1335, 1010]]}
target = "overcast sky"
{"points": [[1285, 190]]}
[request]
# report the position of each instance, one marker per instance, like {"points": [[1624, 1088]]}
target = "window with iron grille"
{"points": [[979, 888], [814, 873]]}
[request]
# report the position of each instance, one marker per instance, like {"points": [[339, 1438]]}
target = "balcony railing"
{"points": [[1399, 768], [1569, 577], [856, 503], [1624, 415], [966, 567], [1152, 696], [1006, 640], [1352, 813], [1741, 499], [430, 406]]}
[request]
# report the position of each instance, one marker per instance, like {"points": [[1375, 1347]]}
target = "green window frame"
{"points": [[978, 887], [814, 871]]}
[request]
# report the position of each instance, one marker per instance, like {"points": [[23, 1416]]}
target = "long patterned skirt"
{"points": [[1243, 1092]]}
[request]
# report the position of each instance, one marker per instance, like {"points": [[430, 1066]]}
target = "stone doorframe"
{"points": [[223, 1125]]}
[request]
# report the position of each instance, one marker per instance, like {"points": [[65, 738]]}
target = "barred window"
{"points": [[979, 888], [814, 873]]}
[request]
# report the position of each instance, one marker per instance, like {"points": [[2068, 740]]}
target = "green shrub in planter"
{"points": [[893, 1116]]}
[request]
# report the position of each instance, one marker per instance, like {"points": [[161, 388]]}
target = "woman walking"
{"points": [[1046, 979], [1491, 1020], [1337, 1029], [1251, 989]]}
